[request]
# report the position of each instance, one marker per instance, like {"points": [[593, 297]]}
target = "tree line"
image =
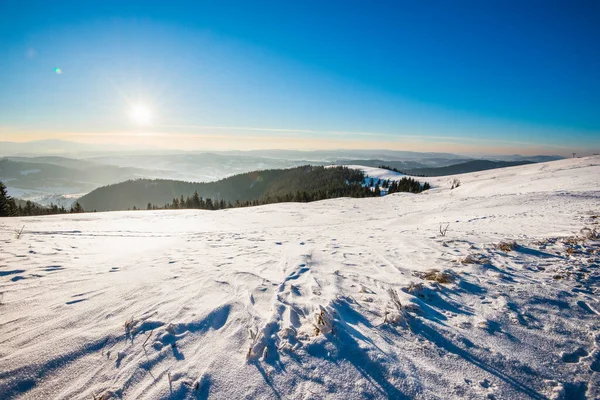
{"points": [[355, 190]]}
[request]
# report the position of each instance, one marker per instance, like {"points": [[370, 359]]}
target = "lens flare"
{"points": [[58, 71]]}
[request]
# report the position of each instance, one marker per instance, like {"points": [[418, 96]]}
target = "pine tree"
{"points": [[195, 200], [7, 204], [77, 208]]}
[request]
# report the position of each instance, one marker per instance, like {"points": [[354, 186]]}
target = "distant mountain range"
{"points": [[86, 150], [40, 171], [79, 175]]}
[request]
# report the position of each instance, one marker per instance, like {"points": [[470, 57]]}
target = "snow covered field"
{"points": [[339, 299]]}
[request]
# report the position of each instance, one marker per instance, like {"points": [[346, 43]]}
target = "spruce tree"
{"points": [[196, 200], [7, 204], [77, 208]]}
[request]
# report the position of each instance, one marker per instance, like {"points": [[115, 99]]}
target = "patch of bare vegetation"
{"points": [[108, 394], [322, 322], [254, 350], [416, 289], [573, 240], [438, 276], [479, 259], [506, 246], [590, 234], [129, 325]]}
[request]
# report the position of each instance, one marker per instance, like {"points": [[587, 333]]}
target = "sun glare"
{"points": [[141, 115]]}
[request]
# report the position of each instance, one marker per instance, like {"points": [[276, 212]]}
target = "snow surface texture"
{"points": [[339, 299]]}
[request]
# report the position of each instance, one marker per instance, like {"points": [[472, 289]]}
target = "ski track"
{"points": [[332, 299]]}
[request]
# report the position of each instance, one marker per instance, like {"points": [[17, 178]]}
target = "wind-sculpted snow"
{"points": [[345, 298]]}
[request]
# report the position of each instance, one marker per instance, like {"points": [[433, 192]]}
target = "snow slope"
{"points": [[377, 173], [334, 299]]}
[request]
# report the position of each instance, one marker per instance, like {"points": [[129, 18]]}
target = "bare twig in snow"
{"points": [[19, 233], [144, 345], [444, 230]]}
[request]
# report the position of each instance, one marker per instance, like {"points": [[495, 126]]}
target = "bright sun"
{"points": [[141, 115]]}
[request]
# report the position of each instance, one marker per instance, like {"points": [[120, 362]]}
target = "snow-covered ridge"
{"points": [[376, 173], [344, 298]]}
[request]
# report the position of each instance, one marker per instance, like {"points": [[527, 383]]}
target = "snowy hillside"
{"points": [[377, 173], [339, 299]]}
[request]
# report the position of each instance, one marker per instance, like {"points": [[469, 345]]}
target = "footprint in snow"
{"points": [[595, 365], [75, 301], [12, 272], [585, 306], [574, 356], [52, 268]]}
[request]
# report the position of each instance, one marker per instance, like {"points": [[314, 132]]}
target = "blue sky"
{"points": [[464, 76]]}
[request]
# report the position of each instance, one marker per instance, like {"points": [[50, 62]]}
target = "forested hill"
{"points": [[462, 168], [244, 187]]}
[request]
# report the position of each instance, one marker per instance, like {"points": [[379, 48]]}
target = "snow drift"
{"points": [[344, 298]]}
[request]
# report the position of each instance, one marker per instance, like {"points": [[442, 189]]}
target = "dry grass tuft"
{"points": [[129, 324], [590, 234], [108, 394], [475, 259], [506, 246], [438, 276], [415, 289], [254, 337], [573, 240], [323, 322]]}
